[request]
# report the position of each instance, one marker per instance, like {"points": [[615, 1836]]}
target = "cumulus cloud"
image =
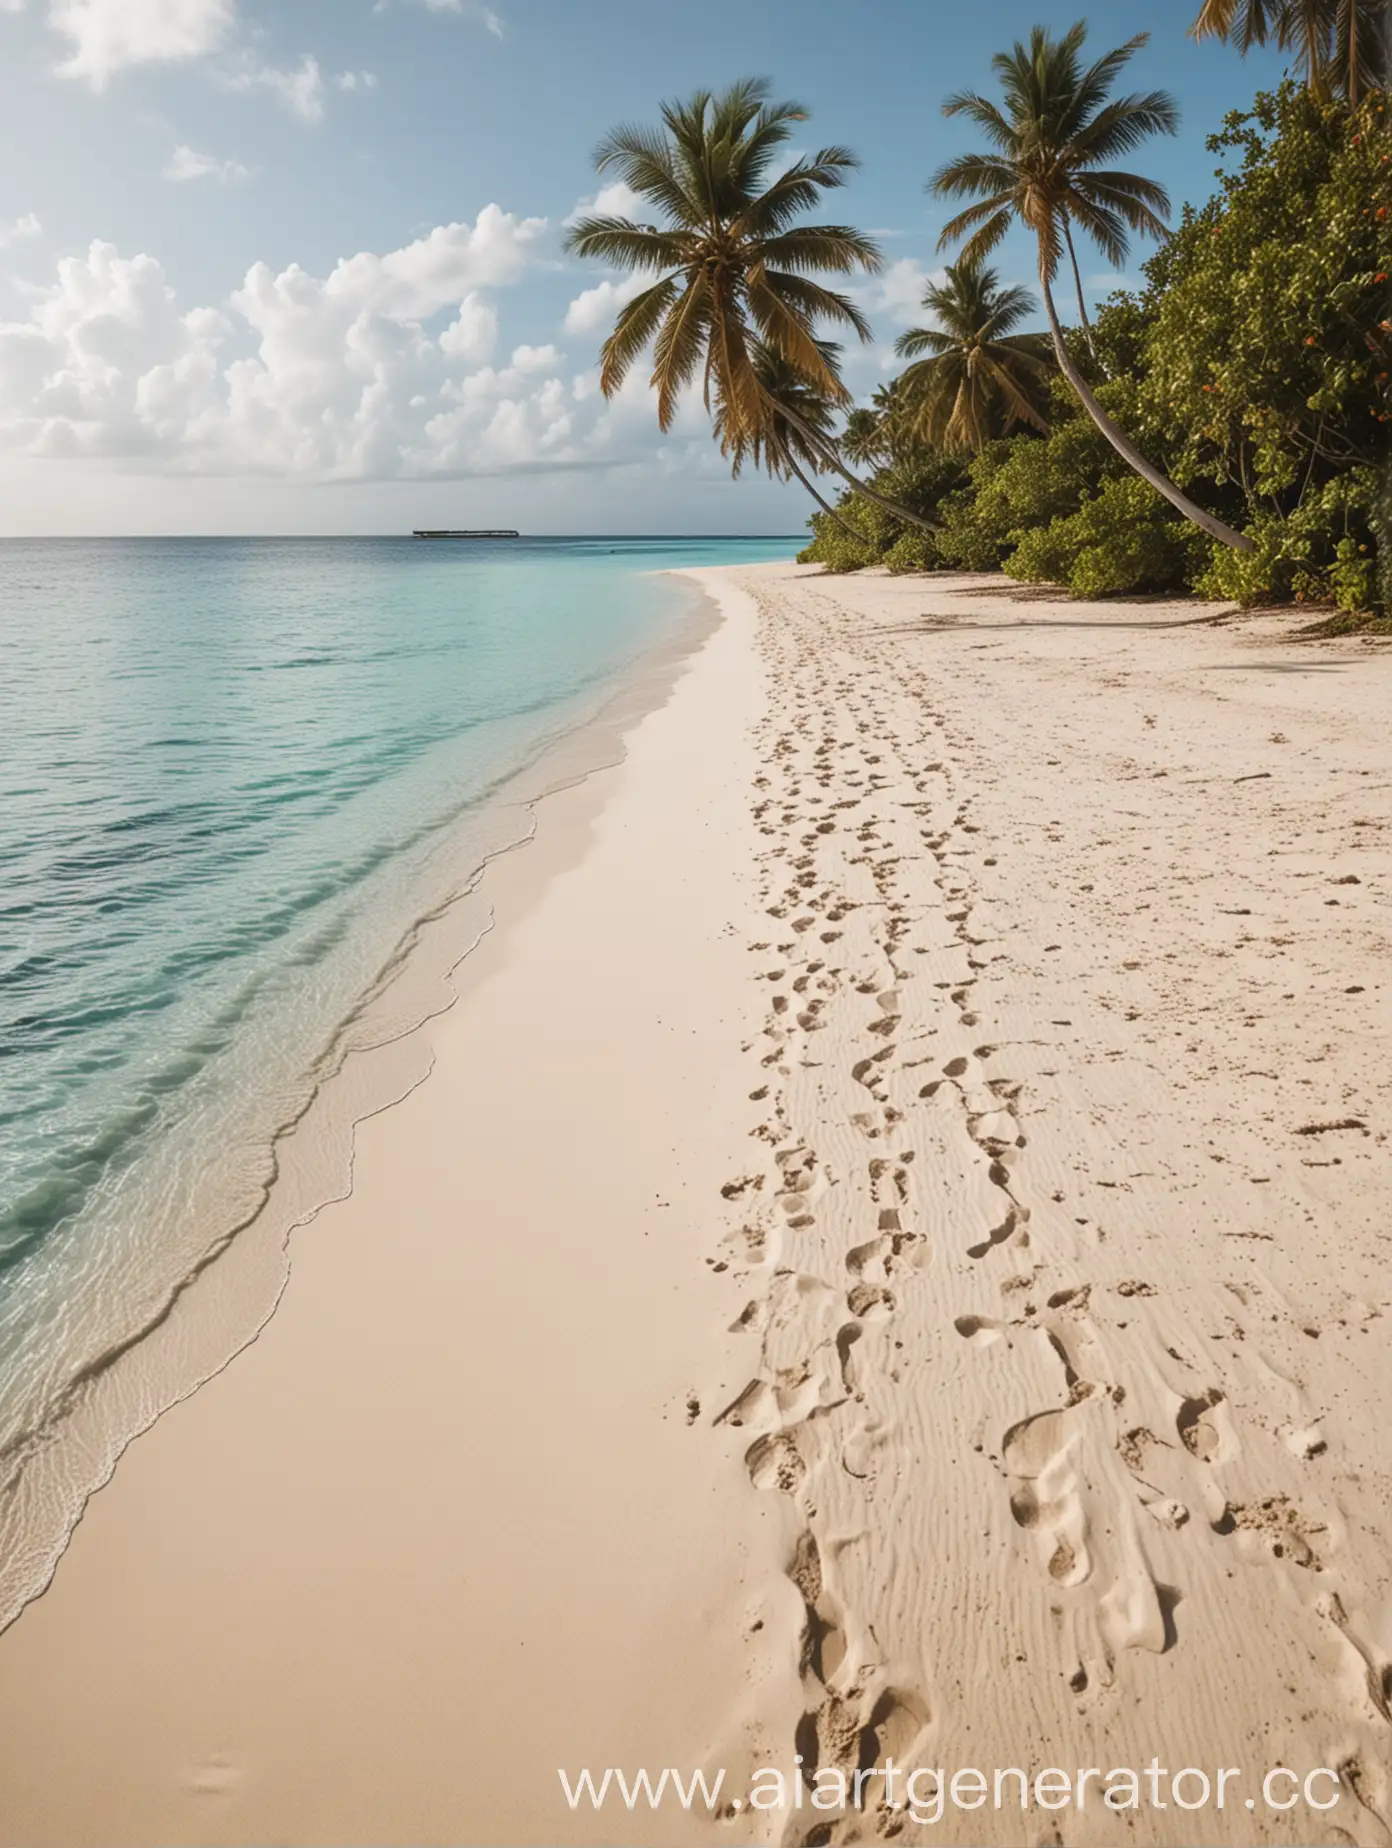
{"points": [[384, 367], [473, 332], [612, 201], [597, 308], [20, 230], [108, 35], [186, 163]]}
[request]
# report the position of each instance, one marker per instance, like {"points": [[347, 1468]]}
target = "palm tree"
{"points": [[874, 433], [864, 438], [778, 446], [980, 379], [1339, 44], [736, 270], [1057, 128]]}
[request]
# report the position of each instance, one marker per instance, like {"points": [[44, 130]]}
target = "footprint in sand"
{"points": [[774, 1462], [980, 1330], [1037, 1452], [1206, 1428]]}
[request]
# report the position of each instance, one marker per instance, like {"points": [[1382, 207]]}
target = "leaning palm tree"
{"points": [[1338, 44], [980, 378], [1051, 139], [864, 438], [778, 445], [736, 269]]}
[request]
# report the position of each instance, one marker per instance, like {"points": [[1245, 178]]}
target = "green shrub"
{"points": [[1025, 482], [920, 483], [1124, 540], [1324, 552], [834, 549], [913, 550], [1264, 371]]}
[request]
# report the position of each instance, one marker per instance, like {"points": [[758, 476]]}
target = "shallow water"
{"points": [[232, 774]]}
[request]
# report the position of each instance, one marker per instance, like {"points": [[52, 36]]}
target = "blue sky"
{"points": [[298, 266]]}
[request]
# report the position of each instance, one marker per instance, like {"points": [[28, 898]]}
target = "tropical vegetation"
{"points": [[979, 378], [1340, 46], [736, 265], [1219, 429]]}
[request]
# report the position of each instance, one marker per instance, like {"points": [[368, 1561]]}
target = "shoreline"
{"points": [[371, 1059], [887, 1264], [229, 1758]]}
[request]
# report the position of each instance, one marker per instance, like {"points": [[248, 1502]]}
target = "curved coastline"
{"points": [[374, 1058]]}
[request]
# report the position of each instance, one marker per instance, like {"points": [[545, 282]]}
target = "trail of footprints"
{"points": [[844, 813]]}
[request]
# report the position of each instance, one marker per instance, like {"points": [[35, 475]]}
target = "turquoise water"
{"points": [[230, 771]]}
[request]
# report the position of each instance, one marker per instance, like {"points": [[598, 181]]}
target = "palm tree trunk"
{"points": [[824, 447], [1352, 14], [1310, 27], [1361, 44], [1078, 285], [1123, 445], [826, 505]]}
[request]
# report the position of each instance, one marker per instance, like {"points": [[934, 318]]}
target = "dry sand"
{"points": [[890, 1259]]}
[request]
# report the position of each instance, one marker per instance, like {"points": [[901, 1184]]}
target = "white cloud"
{"points": [[612, 201], [300, 89], [339, 377], [303, 87], [437, 270], [897, 292], [186, 163], [535, 359], [597, 308], [20, 230], [108, 35], [473, 333], [72, 376]]}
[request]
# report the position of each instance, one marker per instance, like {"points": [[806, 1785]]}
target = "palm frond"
{"points": [[826, 250], [618, 241], [633, 331], [974, 173], [922, 340], [643, 161], [987, 222], [985, 114], [1125, 123], [678, 348]]}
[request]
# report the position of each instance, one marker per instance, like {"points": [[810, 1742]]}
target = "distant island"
{"points": [[499, 532]]}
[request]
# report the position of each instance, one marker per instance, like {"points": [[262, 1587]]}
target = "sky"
{"points": [[287, 266]]}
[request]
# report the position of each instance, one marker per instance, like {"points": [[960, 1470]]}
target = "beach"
{"points": [[886, 1259]]}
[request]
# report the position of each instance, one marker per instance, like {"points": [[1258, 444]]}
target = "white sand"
{"points": [[1050, 940]]}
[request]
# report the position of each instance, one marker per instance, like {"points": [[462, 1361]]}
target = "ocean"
{"points": [[246, 790]]}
